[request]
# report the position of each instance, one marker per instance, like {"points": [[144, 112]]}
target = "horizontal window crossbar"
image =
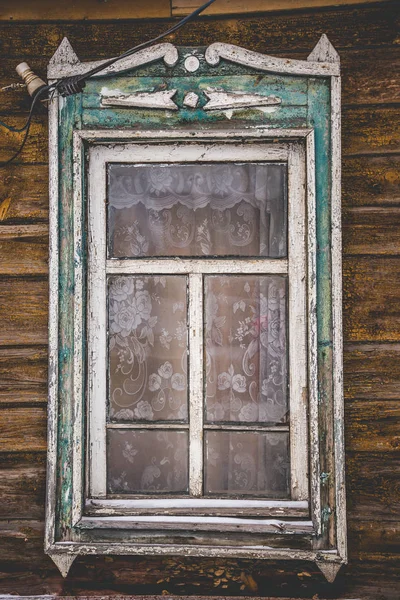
{"points": [[211, 426], [196, 506], [162, 266], [198, 523]]}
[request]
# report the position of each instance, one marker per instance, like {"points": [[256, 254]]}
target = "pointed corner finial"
{"points": [[324, 52], [64, 54], [63, 562], [329, 569]]}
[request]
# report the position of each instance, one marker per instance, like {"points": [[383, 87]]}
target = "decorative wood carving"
{"points": [[328, 569], [271, 64], [159, 100], [65, 62], [221, 100], [63, 562], [191, 100]]}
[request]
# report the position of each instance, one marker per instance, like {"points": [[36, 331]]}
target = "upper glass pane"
{"points": [[215, 209]]}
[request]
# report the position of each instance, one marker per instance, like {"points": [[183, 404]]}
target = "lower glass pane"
{"points": [[145, 461], [247, 463]]}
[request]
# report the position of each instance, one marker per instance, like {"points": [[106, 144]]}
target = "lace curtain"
{"points": [[197, 210]]}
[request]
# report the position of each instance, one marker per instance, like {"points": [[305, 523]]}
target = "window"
{"points": [[193, 376], [197, 281]]}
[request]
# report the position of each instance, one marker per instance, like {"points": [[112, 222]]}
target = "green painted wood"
{"points": [[69, 118], [319, 120], [156, 119]]}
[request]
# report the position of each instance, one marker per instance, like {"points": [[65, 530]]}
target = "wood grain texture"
{"points": [[26, 186], [90, 9], [346, 27], [371, 299], [23, 375], [86, 9], [373, 483], [22, 484], [184, 7], [371, 181], [372, 371], [35, 150], [370, 130], [24, 249], [371, 230], [372, 426], [23, 429], [23, 311]]}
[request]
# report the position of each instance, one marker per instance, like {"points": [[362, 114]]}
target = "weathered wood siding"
{"points": [[367, 38]]}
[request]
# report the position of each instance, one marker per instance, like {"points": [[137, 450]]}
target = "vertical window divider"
{"points": [[196, 369], [97, 316]]}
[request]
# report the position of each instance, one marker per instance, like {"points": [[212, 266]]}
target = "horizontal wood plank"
{"points": [[90, 9], [35, 149], [85, 9], [372, 371], [23, 375], [23, 311], [371, 230], [371, 181], [372, 426], [354, 27], [23, 429], [371, 300], [370, 76], [22, 487], [184, 7], [370, 130], [373, 483], [24, 194], [24, 249], [382, 536]]}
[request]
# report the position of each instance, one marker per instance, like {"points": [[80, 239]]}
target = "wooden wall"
{"points": [[146, 9], [367, 38]]}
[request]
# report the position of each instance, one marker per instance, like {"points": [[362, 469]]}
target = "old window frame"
{"points": [[217, 149], [321, 63]]}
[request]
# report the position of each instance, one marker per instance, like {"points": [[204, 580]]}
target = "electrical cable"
{"points": [[75, 84], [26, 127]]}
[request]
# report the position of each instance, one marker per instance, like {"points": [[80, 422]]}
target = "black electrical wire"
{"points": [[75, 84], [27, 125]]}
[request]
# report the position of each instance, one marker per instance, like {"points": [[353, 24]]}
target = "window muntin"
{"points": [[292, 483]]}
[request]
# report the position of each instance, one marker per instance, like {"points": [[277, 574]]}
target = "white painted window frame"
{"points": [[296, 148]]}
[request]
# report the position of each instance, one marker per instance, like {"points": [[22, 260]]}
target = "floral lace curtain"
{"points": [[197, 210]]}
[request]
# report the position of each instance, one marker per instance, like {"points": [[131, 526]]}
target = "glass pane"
{"points": [[144, 461], [247, 463], [246, 350], [197, 210], [147, 348]]}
